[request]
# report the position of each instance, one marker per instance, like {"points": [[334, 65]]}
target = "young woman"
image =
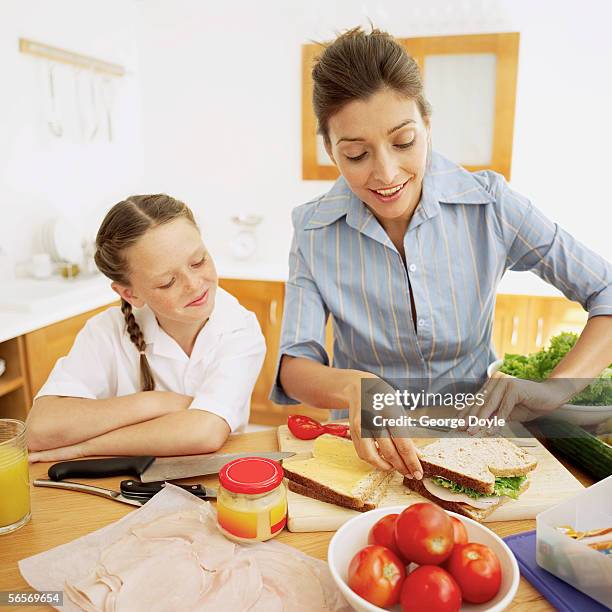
{"points": [[171, 371], [406, 251]]}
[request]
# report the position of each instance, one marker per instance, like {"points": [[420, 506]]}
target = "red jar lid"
{"points": [[251, 475]]}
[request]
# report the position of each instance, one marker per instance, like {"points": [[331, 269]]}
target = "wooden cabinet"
{"points": [[45, 346], [265, 299], [510, 324], [525, 324], [15, 395]]}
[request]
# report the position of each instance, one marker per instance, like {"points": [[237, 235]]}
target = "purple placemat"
{"points": [[563, 596]]}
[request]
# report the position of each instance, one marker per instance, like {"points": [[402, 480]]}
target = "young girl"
{"points": [[171, 371]]}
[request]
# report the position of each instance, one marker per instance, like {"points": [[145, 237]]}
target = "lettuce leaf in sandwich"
{"points": [[504, 485]]}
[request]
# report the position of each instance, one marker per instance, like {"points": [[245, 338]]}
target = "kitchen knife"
{"points": [[135, 489], [77, 486], [152, 469], [132, 492]]}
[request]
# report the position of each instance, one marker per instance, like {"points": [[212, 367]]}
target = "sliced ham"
{"points": [[443, 493], [181, 561]]}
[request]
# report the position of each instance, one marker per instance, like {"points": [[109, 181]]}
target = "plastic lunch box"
{"points": [[588, 570]]}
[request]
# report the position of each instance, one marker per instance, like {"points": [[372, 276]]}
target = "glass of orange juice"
{"points": [[14, 478]]}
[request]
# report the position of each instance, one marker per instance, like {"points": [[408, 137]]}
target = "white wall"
{"points": [[221, 100], [211, 107], [42, 176]]}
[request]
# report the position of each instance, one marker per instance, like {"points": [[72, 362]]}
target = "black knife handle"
{"points": [[98, 468], [137, 489]]}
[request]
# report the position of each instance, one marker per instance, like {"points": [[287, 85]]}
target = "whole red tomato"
{"points": [[430, 588], [377, 574], [477, 571], [383, 534], [424, 534], [460, 535]]}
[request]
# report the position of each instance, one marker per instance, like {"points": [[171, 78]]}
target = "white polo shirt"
{"points": [[220, 374]]}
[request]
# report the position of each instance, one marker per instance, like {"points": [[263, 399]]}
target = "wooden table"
{"points": [[60, 516]]}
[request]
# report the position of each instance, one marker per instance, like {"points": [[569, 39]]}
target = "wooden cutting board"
{"points": [[550, 484]]}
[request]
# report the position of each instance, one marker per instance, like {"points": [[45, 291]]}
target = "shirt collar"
{"points": [[445, 182], [157, 340], [225, 318]]}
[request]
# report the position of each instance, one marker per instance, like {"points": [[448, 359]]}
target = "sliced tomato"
{"points": [[376, 574], [337, 429], [304, 427]]}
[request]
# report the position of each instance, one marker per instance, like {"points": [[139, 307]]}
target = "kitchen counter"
{"points": [[60, 516], [28, 304]]}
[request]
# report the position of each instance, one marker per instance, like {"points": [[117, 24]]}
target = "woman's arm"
{"points": [[591, 354], [188, 432], [322, 386], [523, 400], [61, 421]]}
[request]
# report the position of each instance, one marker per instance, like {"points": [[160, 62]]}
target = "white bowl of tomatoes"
{"points": [[405, 558]]}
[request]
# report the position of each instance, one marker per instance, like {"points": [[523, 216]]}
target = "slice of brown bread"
{"points": [[370, 503], [475, 462], [355, 499], [461, 508]]}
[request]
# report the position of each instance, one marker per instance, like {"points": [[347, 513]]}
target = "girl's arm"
{"points": [[61, 421], [187, 432], [323, 386]]}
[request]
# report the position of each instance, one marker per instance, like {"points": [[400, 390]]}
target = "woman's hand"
{"points": [[64, 453], [516, 399], [386, 452]]}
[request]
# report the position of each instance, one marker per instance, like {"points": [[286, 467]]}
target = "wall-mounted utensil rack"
{"points": [[56, 54]]}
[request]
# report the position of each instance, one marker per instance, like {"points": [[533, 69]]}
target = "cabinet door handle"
{"points": [[539, 329], [515, 327], [273, 311]]}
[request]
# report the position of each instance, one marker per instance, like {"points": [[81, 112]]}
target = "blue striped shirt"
{"points": [[468, 229]]}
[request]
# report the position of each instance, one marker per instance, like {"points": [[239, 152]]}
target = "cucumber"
{"points": [[579, 446]]}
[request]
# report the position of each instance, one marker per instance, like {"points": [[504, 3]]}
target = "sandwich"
{"points": [[335, 474], [472, 476]]}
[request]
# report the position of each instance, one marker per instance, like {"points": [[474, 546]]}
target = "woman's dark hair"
{"points": [[357, 65], [124, 224]]}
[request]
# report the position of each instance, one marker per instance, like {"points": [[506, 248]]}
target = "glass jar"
{"points": [[251, 500], [14, 477]]}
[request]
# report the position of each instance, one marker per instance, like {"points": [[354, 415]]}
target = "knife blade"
{"points": [[85, 488], [153, 469]]}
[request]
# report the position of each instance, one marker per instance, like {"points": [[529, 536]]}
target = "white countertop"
{"points": [[28, 304]]}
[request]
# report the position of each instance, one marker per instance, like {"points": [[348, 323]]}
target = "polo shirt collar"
{"points": [[157, 340], [225, 318]]}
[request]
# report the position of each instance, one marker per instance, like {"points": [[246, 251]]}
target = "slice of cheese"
{"points": [[335, 464]]}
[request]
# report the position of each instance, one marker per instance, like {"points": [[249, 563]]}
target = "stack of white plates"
{"points": [[61, 239]]}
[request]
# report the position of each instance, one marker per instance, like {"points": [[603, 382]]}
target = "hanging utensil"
{"points": [[77, 102], [93, 99], [54, 123], [107, 101]]}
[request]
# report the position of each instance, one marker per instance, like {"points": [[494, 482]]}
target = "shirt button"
{"points": [[421, 322], [412, 267]]}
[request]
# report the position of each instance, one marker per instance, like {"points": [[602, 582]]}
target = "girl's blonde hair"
{"points": [[357, 65], [124, 224]]}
